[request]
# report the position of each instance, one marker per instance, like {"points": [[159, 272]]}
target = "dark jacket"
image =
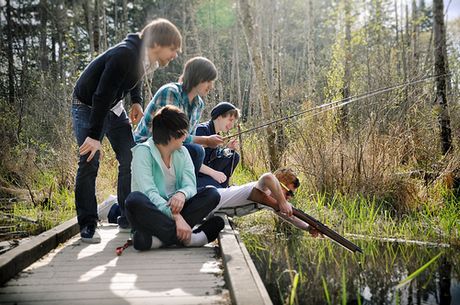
{"points": [[108, 78], [206, 129]]}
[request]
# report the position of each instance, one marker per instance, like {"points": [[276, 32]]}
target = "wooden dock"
{"points": [[80, 273]]}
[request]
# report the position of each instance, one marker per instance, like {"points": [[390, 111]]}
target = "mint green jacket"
{"points": [[147, 175]]}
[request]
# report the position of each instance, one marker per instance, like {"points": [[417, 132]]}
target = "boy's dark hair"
{"points": [[169, 122], [287, 176], [161, 32], [198, 70]]}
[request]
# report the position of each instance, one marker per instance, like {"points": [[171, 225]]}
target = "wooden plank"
{"points": [[104, 291], [243, 280], [127, 283], [120, 278], [79, 273], [134, 301], [93, 274], [22, 256]]}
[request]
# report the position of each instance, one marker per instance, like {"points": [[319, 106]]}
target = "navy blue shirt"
{"points": [[108, 78], [206, 129]]}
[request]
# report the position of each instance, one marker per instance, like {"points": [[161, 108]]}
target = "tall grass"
{"points": [[331, 275], [48, 199]]}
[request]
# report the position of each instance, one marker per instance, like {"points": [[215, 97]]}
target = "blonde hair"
{"points": [[287, 176]]}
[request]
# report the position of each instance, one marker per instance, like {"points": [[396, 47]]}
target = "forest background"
{"points": [[275, 58]]}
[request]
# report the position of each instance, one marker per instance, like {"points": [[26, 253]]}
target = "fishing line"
{"points": [[337, 104]]}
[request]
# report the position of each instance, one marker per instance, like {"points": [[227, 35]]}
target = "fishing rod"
{"points": [[337, 104]]}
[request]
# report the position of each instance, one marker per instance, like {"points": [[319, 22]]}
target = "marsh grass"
{"points": [[328, 274], [54, 195], [417, 272]]}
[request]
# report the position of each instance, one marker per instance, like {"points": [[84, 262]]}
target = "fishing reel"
{"points": [[223, 152]]}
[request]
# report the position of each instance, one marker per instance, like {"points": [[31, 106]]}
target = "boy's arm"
{"points": [[216, 175], [269, 181], [208, 141]]}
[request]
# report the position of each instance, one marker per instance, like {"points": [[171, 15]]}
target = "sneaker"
{"points": [[89, 234], [104, 208], [142, 241], [211, 227], [123, 224], [114, 213]]}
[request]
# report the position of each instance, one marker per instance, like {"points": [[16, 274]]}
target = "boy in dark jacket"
{"points": [[219, 163], [97, 111]]}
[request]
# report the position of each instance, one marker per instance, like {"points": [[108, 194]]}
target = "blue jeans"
{"points": [[196, 152], [118, 131]]}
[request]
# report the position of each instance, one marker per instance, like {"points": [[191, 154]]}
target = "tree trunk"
{"points": [[194, 46], [103, 22], [9, 35], [311, 61], [43, 51], [415, 34], [124, 19], [96, 27], [440, 67], [344, 110], [261, 79], [87, 7]]}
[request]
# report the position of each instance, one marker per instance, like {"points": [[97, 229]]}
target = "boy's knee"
{"points": [[213, 195], [132, 198]]}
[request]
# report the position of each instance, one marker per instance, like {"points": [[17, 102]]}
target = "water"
{"points": [[327, 274]]}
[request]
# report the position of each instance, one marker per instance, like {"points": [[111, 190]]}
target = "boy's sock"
{"points": [[197, 240], [144, 241], [156, 243], [210, 229]]}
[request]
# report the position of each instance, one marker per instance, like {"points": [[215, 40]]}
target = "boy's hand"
{"points": [[183, 230], [136, 113], [219, 176], [214, 140], [90, 146], [176, 202], [234, 144], [315, 233], [285, 208]]}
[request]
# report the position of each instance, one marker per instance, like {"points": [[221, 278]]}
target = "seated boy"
{"points": [[219, 163], [165, 204]]}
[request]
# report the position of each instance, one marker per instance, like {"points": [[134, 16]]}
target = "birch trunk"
{"points": [[261, 79]]}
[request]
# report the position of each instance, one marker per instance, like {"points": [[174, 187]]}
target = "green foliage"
{"points": [[367, 178], [218, 14], [333, 275]]}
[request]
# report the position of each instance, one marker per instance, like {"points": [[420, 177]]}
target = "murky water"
{"points": [[303, 270]]}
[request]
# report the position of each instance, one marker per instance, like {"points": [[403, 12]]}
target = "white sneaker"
{"points": [[104, 208]]}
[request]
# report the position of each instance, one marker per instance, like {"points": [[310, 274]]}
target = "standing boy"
{"points": [[97, 111]]}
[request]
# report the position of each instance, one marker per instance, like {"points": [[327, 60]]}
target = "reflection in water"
{"points": [[329, 274]]}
